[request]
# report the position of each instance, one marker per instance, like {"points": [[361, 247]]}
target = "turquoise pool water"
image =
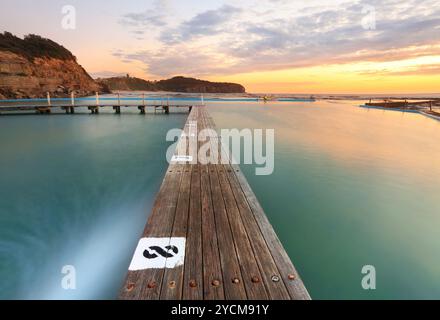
{"points": [[351, 187], [76, 191]]}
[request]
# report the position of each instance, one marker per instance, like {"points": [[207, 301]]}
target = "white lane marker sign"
{"points": [[158, 253], [182, 159]]}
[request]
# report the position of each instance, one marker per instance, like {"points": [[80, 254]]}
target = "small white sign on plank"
{"points": [[158, 253], [191, 135], [182, 159]]}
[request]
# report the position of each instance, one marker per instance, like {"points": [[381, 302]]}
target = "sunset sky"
{"points": [[269, 46]]}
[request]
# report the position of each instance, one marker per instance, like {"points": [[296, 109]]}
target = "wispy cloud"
{"points": [[208, 23], [234, 39], [427, 69], [141, 22]]}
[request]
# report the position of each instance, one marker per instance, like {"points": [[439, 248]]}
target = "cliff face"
{"points": [[176, 84], [20, 78], [31, 68]]}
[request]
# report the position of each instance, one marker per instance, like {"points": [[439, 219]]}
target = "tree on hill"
{"points": [[34, 46]]}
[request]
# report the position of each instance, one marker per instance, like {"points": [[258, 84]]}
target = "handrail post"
{"points": [[97, 98], [143, 99], [49, 103], [72, 98]]}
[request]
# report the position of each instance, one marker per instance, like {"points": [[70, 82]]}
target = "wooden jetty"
{"points": [[207, 237], [45, 106], [411, 105], [94, 109], [432, 114]]}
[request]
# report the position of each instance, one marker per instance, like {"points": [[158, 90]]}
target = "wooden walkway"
{"points": [[94, 109], [404, 104], [207, 237]]}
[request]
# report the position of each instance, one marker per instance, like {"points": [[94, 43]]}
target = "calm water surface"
{"points": [[351, 187], [76, 191]]}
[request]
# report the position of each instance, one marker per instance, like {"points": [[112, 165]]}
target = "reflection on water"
{"points": [[76, 190], [354, 187]]}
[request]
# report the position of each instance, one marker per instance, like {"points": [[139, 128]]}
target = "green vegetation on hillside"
{"points": [[33, 46], [128, 83], [183, 84], [176, 84]]}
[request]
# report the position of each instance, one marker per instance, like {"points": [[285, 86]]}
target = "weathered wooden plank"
{"points": [[233, 280], [161, 228], [173, 282], [133, 285], [213, 288], [234, 286], [251, 274], [287, 270], [193, 278], [172, 286], [270, 273], [212, 272], [288, 273], [146, 284], [247, 245]]}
